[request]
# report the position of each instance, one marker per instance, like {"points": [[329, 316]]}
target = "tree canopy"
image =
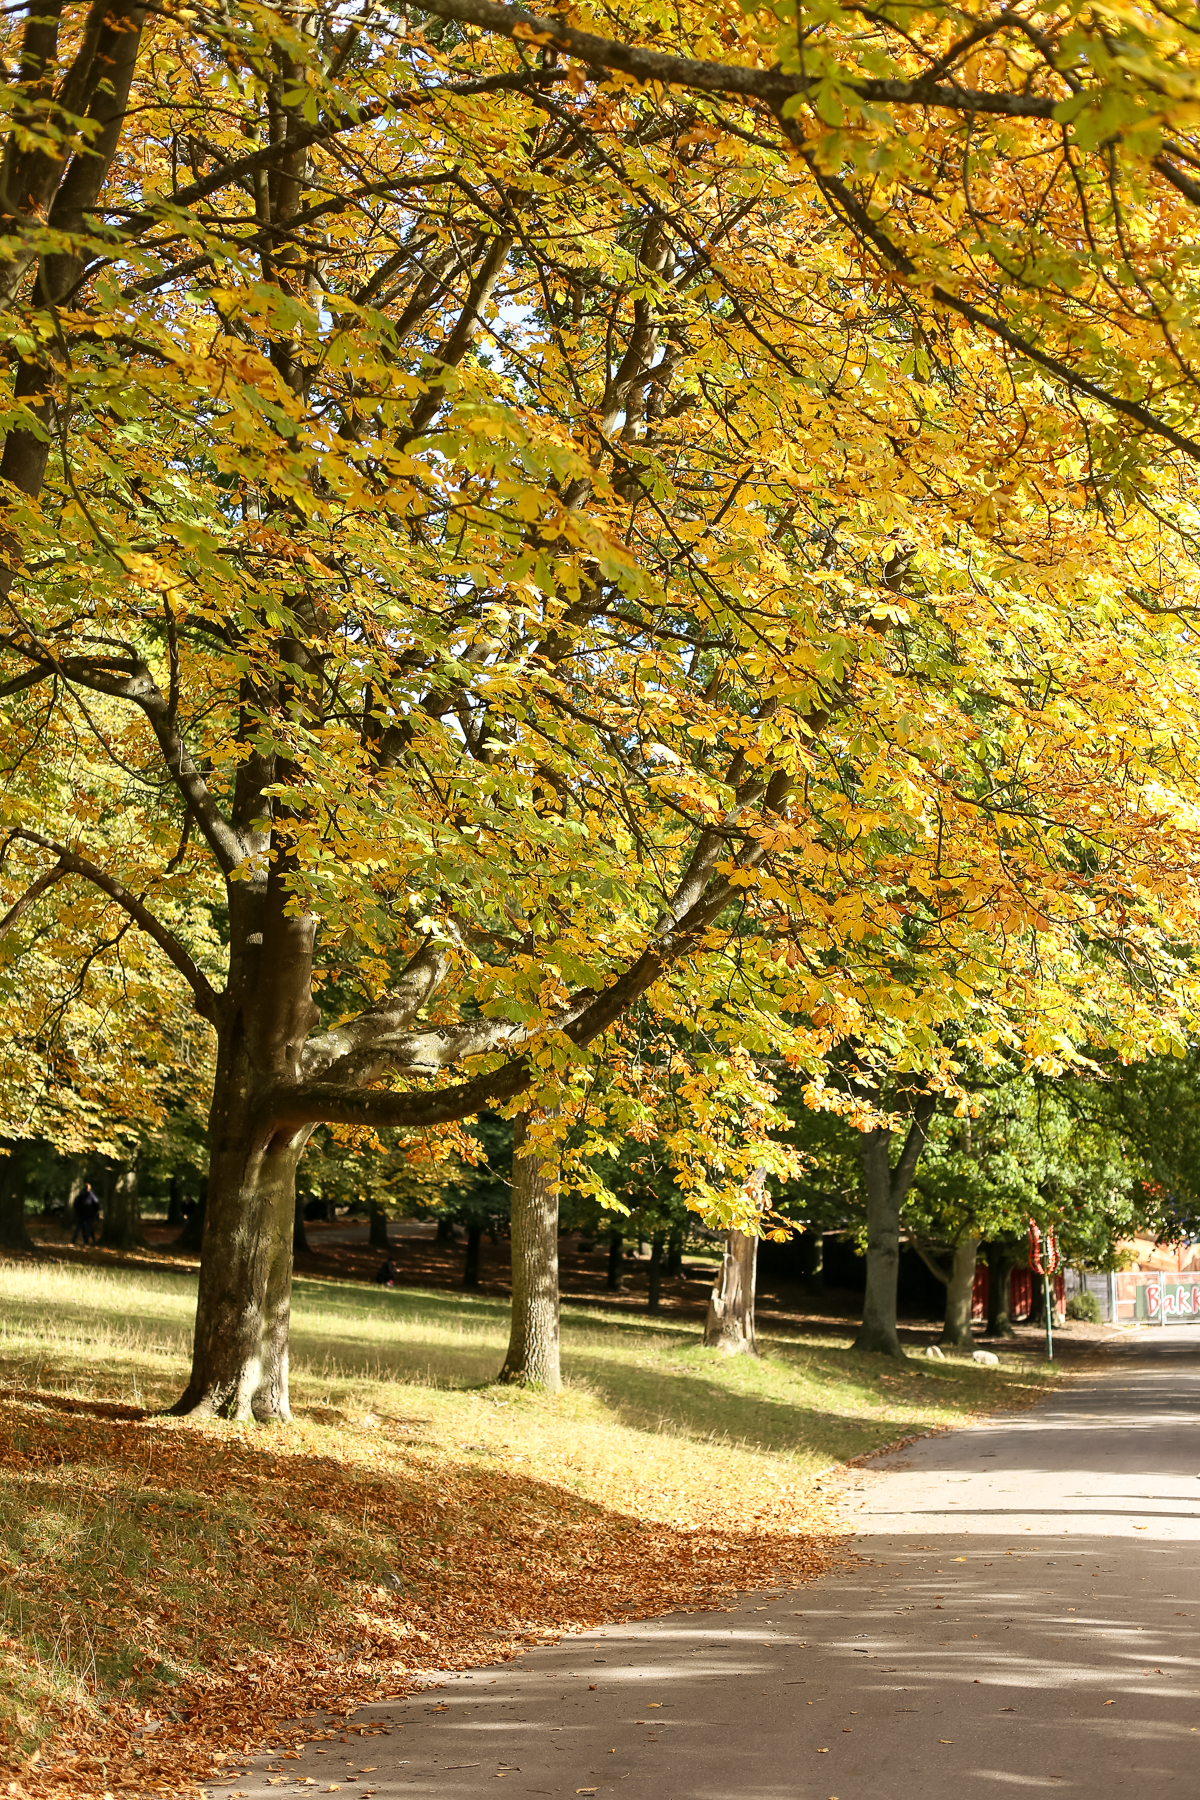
{"points": [[494, 537]]}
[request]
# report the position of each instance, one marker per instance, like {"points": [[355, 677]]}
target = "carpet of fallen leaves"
{"points": [[174, 1593]]}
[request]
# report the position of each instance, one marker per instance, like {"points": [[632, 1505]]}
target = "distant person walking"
{"points": [[87, 1215]]}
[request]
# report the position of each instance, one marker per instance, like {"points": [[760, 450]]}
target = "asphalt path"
{"points": [[1019, 1611]]}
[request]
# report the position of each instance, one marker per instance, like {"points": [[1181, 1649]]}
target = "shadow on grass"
{"points": [[230, 1577]]}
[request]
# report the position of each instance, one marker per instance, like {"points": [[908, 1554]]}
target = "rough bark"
{"points": [[1000, 1268], [533, 1352], [886, 1188], [471, 1266], [122, 1229], [616, 1262], [729, 1326], [960, 1288], [13, 1235], [657, 1246], [377, 1236]]}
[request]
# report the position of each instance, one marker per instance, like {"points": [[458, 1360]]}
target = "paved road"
{"points": [[1024, 1616]]}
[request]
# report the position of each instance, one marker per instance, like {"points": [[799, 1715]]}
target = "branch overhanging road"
{"points": [[1023, 1613]]}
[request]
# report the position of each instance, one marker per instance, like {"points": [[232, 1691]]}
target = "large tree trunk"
{"points": [[533, 1355], [960, 1288], [239, 1356], [730, 1323], [1000, 1268], [122, 1212], [377, 1236], [886, 1188], [13, 1235], [239, 1363]]}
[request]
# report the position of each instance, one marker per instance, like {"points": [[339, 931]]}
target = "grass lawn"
{"points": [[173, 1594]]}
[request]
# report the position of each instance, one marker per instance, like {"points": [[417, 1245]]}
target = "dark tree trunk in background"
{"points": [[812, 1261], [675, 1253], [471, 1267], [730, 1323], [657, 1245], [533, 1353], [300, 1244], [175, 1203], [886, 1188], [13, 1235], [960, 1289], [445, 1232], [192, 1235], [616, 1262], [377, 1237], [1037, 1311], [122, 1214], [1000, 1268]]}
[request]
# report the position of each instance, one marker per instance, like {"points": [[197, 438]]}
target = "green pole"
{"points": [[1049, 1332]]}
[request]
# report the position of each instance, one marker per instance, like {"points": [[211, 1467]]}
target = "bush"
{"points": [[1085, 1307]]}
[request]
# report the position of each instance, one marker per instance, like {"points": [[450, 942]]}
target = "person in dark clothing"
{"points": [[388, 1275], [87, 1213]]}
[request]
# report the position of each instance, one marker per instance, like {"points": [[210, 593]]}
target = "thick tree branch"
{"points": [[208, 1003], [902, 1175], [735, 80], [123, 680], [33, 892]]}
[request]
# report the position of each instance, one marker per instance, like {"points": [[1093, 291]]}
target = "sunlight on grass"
{"points": [[647, 1414]]}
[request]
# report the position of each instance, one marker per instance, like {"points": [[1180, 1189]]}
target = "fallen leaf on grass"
{"points": [[334, 1635]]}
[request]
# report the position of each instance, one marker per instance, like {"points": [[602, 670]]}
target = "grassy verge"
{"points": [[172, 1594]]}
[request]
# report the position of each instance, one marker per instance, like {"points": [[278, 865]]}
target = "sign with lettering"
{"points": [[1180, 1294]]}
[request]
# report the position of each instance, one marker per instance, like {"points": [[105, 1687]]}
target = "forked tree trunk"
{"points": [[654, 1296], [377, 1235], [471, 1267], [730, 1323], [533, 1351], [960, 1289], [239, 1365], [886, 1188], [1000, 1268], [122, 1228], [239, 1355]]}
